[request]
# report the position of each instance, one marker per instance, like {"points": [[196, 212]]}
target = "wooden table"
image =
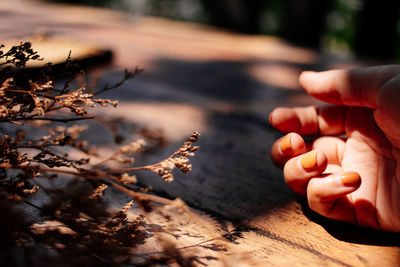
{"points": [[223, 85]]}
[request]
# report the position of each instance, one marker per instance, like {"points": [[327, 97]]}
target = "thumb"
{"points": [[356, 87]]}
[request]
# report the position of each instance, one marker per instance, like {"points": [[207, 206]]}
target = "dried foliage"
{"points": [[75, 225]]}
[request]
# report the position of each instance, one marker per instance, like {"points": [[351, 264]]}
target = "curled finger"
{"points": [[287, 147], [299, 170], [329, 195]]}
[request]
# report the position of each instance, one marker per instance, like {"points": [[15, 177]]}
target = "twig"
{"points": [[139, 197], [147, 167], [107, 159], [128, 75]]}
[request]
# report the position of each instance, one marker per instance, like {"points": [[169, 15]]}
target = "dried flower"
{"points": [[179, 159], [165, 173], [128, 179], [98, 192], [133, 147], [93, 231], [127, 207], [31, 191]]}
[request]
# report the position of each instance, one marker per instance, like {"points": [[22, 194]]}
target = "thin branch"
{"points": [[15, 122], [107, 159], [139, 197], [147, 167], [128, 75], [18, 91]]}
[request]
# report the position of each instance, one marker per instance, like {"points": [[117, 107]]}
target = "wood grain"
{"points": [[200, 78]]}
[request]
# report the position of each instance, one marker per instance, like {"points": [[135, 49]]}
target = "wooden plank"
{"points": [[203, 79], [56, 50]]}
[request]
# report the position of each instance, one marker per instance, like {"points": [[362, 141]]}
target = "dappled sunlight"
{"points": [[141, 40], [279, 75], [205, 79], [56, 50], [177, 121], [324, 246], [206, 43]]}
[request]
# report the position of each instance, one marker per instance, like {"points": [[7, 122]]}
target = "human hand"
{"points": [[351, 170]]}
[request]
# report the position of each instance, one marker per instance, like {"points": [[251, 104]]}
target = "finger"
{"points": [[333, 168], [357, 87], [328, 195], [332, 147], [286, 147], [299, 170], [311, 120]]}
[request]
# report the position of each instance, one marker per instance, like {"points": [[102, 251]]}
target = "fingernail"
{"points": [[286, 146], [309, 161], [350, 178]]}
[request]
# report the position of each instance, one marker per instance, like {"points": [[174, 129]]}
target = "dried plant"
{"points": [[77, 224]]}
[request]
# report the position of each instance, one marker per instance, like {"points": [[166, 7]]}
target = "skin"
{"points": [[359, 131]]}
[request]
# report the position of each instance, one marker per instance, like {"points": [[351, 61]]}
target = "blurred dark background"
{"points": [[368, 29]]}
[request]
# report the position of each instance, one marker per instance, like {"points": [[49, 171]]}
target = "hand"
{"points": [[351, 170]]}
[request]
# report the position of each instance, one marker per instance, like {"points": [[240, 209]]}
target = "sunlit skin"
{"points": [[355, 174]]}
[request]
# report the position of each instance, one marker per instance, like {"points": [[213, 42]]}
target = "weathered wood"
{"points": [[198, 78], [56, 50]]}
